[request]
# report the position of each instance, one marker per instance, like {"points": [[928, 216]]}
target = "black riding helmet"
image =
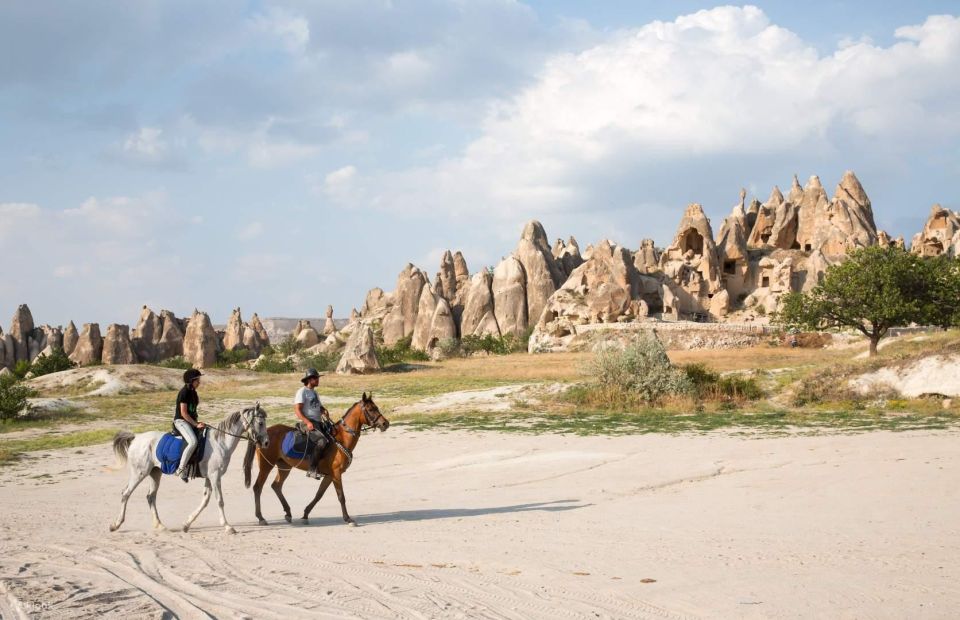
{"points": [[191, 374], [311, 373]]}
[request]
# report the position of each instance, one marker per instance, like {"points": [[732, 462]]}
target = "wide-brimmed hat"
{"points": [[191, 374], [311, 373]]}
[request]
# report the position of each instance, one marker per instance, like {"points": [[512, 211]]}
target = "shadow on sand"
{"points": [[429, 515]]}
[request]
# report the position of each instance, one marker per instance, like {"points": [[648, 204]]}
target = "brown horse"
{"points": [[336, 459]]}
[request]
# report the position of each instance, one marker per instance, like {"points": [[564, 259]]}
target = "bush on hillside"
{"points": [[55, 362], [13, 397]]}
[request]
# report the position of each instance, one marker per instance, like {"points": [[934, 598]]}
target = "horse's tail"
{"points": [[248, 463], [121, 443]]}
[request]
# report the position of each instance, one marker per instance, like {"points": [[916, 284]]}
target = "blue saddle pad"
{"points": [[289, 446], [170, 448]]}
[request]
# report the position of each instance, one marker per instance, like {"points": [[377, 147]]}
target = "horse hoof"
{"points": [[305, 521], [160, 527], [186, 528], [262, 522], [351, 523], [114, 527], [229, 530], [288, 518]]}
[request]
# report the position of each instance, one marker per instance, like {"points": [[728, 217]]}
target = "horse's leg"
{"points": [[223, 516], [323, 487], [136, 476], [264, 470], [277, 486], [203, 504], [338, 485], [155, 475]]}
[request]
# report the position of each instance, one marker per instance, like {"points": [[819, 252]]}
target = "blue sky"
{"points": [[280, 156]]}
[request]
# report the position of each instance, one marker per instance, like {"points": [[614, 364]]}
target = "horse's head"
{"points": [[256, 423], [371, 413]]}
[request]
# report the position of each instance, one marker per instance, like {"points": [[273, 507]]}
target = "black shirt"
{"points": [[189, 396]]}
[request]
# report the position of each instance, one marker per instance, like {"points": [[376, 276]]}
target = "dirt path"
{"points": [[476, 525]]}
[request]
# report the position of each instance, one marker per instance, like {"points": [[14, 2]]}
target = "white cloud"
{"points": [[290, 30], [16, 216], [146, 143], [717, 83], [250, 231], [266, 153]]}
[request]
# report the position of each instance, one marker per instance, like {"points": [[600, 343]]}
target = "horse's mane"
{"points": [[347, 412], [230, 420]]}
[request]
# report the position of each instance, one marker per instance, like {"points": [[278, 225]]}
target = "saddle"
{"points": [[298, 445], [170, 448]]}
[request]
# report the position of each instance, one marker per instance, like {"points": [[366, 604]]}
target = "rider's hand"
{"points": [[311, 427], [201, 426]]}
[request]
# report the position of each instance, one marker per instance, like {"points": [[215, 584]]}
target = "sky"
{"points": [[279, 156]]}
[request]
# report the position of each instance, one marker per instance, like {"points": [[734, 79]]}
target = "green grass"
{"points": [[11, 450], [44, 419], [660, 421]]}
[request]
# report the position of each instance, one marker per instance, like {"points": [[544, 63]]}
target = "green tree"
{"points": [[875, 289], [13, 397]]}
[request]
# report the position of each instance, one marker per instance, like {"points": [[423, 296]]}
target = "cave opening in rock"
{"points": [[692, 240]]}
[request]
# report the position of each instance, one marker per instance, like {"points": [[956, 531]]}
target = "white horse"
{"points": [[139, 451]]}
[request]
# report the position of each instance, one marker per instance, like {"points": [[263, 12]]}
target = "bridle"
{"points": [[367, 424], [248, 424]]}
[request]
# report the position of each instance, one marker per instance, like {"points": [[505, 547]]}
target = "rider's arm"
{"points": [[185, 414], [298, 409]]}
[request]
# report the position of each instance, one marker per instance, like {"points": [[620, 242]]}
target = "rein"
{"points": [[365, 425], [245, 433]]}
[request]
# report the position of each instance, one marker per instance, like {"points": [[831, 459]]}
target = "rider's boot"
{"points": [[314, 464]]}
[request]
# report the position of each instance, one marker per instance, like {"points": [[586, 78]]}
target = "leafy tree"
{"points": [[875, 289], [13, 396], [55, 362]]}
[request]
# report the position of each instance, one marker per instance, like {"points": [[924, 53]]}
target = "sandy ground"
{"points": [[472, 525]]}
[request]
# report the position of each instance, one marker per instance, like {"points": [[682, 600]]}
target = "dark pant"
{"points": [[317, 437]]}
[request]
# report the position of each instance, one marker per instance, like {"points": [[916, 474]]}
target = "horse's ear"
{"points": [[364, 397]]}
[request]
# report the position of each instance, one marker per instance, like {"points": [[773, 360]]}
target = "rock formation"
{"points": [[200, 341], [146, 335], [70, 338], [328, 325], [402, 317], [233, 335], [608, 288], [542, 274], [478, 317], [691, 264], [306, 335], [360, 355], [940, 234], [257, 327], [170, 343], [434, 321], [848, 222], [21, 327], [89, 347], [647, 259], [117, 348], [510, 297], [732, 250], [812, 209]]}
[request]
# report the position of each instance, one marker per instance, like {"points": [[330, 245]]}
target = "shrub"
{"points": [[55, 362], [176, 362], [21, 368], [450, 347], [320, 361], [710, 385], [502, 345], [274, 364], [288, 346], [641, 370], [225, 359], [401, 351], [13, 397]]}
